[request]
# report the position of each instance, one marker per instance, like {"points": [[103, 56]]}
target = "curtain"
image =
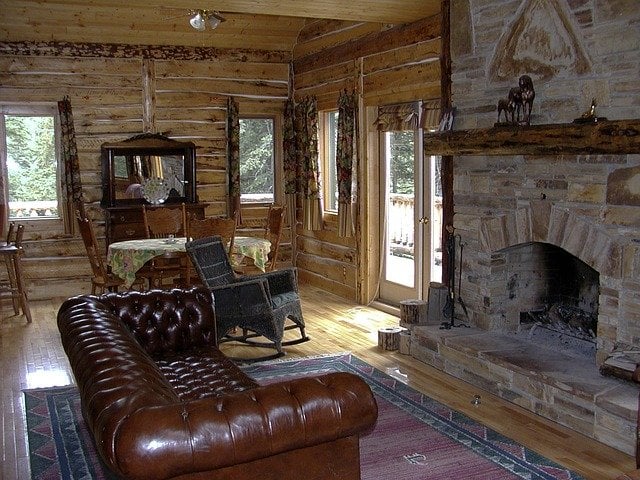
{"points": [[69, 151], [345, 157], [430, 115], [233, 159], [4, 210], [291, 185], [398, 117], [306, 121]]}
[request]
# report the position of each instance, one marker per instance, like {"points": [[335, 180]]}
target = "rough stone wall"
{"points": [[575, 51]]}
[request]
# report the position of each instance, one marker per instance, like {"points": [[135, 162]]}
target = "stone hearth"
{"points": [[559, 386]]}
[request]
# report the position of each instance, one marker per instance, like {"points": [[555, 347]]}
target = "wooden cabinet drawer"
{"points": [[126, 216], [127, 222], [127, 231]]}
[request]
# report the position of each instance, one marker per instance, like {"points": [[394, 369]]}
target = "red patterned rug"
{"points": [[415, 438]]}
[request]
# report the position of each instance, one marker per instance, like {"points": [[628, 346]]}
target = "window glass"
{"points": [[31, 166], [330, 141], [256, 160]]}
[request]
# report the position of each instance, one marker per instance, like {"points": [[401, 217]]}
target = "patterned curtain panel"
{"points": [[430, 115], [291, 182], [233, 158], [69, 151], [398, 117], [345, 161], [306, 121], [3, 208]]}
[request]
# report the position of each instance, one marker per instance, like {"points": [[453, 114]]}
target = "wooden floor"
{"points": [[31, 356]]}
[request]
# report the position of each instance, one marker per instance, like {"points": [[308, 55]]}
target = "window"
{"points": [[29, 159], [257, 155], [329, 140]]}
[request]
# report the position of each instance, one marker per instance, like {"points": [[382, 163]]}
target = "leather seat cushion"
{"points": [[203, 372]]}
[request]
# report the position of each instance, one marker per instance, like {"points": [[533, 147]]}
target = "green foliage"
{"points": [[401, 162], [256, 155], [31, 159]]}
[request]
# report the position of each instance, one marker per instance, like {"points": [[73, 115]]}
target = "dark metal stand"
{"points": [[449, 309]]}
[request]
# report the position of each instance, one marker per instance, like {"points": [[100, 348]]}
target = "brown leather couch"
{"points": [[161, 400]]}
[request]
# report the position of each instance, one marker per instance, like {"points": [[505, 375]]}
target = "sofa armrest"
{"points": [[213, 433]]}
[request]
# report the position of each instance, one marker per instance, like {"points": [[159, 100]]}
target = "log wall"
{"points": [[385, 65], [119, 92]]}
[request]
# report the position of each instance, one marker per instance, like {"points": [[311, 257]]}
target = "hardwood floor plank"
{"points": [[31, 357]]}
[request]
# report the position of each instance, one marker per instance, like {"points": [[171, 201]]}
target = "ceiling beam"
{"points": [[383, 11]]}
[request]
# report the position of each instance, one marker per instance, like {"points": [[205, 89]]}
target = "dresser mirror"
{"points": [[148, 168]]}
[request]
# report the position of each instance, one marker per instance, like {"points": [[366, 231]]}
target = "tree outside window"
{"points": [[30, 163], [330, 176], [257, 156]]}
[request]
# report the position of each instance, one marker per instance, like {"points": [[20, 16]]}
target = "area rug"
{"points": [[416, 437]]}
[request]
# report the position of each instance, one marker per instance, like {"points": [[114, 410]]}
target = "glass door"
{"points": [[410, 218]]}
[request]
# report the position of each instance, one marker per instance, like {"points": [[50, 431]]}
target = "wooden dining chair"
{"points": [[166, 223], [224, 227], [102, 280], [11, 231], [273, 227], [11, 253], [273, 232]]}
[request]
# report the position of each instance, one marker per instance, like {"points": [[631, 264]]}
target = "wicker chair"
{"points": [[260, 305]]}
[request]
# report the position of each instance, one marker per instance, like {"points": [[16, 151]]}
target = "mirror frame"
{"points": [[147, 144]]}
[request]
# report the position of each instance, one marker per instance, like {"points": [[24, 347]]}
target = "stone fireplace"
{"points": [[552, 297], [548, 254], [548, 230]]}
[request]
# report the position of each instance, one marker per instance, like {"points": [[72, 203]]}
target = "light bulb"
{"points": [[197, 21]]}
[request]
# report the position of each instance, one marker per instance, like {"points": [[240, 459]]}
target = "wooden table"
{"points": [[251, 247], [127, 257]]}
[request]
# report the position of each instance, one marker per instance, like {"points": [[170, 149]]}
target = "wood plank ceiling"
{"points": [[250, 24]]}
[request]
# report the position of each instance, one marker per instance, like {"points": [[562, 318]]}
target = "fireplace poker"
{"points": [[449, 309], [460, 301]]}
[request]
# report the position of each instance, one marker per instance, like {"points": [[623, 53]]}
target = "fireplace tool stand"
{"points": [[449, 309]]}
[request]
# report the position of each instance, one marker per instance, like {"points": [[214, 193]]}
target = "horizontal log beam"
{"points": [[373, 43], [155, 52], [617, 137]]}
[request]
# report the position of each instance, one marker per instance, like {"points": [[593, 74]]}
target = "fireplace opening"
{"points": [[555, 296]]}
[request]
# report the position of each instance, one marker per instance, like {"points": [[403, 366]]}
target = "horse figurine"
{"points": [[527, 94], [515, 104], [507, 108]]}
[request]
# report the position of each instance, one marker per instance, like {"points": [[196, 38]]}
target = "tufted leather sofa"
{"points": [[161, 401]]}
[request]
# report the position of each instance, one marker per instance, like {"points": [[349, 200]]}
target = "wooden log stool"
{"points": [[12, 254], [389, 338], [413, 312]]}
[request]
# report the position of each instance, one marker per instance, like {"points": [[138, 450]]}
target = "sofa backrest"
{"points": [[166, 321]]}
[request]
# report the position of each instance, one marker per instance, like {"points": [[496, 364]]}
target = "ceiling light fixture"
{"points": [[200, 18]]}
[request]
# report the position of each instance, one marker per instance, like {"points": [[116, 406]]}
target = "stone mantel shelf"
{"points": [[614, 137]]}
